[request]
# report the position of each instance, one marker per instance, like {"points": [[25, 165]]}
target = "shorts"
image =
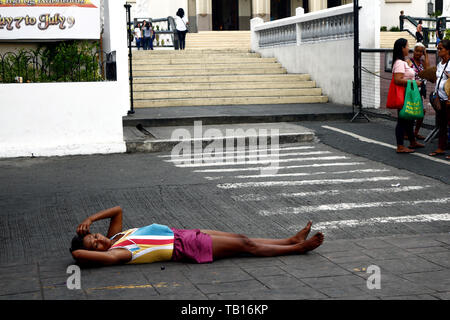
{"points": [[192, 246]]}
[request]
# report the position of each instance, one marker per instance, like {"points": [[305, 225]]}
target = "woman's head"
{"points": [[180, 13], [401, 50], [444, 49], [420, 22], [419, 51], [92, 242]]}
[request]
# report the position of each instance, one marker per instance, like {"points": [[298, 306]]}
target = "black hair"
{"points": [[420, 21], [180, 13], [398, 50], [77, 243], [446, 44]]}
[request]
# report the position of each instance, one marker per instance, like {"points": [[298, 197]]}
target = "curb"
{"points": [[165, 145]]}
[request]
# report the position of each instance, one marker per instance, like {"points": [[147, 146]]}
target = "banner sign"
{"points": [[49, 19]]}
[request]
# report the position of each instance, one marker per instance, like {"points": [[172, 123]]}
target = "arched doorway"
{"points": [[225, 15], [280, 9]]}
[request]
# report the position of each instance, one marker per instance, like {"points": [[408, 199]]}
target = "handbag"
{"points": [[396, 96], [413, 107], [434, 97]]}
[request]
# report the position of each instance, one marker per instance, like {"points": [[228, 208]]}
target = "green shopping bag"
{"points": [[413, 106]]}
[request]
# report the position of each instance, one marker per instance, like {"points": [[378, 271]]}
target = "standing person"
{"points": [[181, 22], [402, 17], [156, 242], [419, 65], [147, 35], [441, 103], [402, 73], [152, 36], [138, 36], [419, 35]]}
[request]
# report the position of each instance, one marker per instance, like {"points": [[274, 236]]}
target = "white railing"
{"points": [[325, 25]]}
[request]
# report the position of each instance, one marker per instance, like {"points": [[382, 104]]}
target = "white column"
{"points": [[254, 35], [115, 39]]}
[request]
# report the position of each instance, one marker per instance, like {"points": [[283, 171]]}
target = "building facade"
{"points": [[216, 15]]}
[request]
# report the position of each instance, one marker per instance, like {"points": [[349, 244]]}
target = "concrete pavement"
{"points": [[371, 213]]}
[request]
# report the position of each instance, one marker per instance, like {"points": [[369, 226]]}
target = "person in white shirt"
{"points": [[138, 35], [442, 102], [182, 27]]}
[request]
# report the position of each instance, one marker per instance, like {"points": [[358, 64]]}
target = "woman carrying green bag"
{"points": [[402, 72], [413, 106]]}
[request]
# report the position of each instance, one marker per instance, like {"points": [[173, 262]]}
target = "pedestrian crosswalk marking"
{"points": [[263, 156], [306, 182], [270, 161], [353, 223], [301, 174], [249, 151], [316, 165], [349, 206], [259, 197]]}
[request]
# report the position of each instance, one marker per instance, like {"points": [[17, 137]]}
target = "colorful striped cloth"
{"points": [[147, 244]]}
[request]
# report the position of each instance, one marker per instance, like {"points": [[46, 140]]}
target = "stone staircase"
{"points": [[218, 40], [216, 76], [387, 39]]}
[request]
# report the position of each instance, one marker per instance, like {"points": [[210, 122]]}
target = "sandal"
{"points": [[419, 137], [405, 150], [434, 154], [416, 146]]}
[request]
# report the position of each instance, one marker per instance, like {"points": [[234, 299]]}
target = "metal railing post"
{"points": [[357, 66], [130, 56]]}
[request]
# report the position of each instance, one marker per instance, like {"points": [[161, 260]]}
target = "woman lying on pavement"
{"points": [[160, 243]]}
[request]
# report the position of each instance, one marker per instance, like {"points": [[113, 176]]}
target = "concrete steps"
{"points": [[210, 76], [387, 39], [218, 39]]}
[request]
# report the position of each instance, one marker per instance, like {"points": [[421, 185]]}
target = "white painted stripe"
{"points": [[330, 225], [305, 182], [301, 174], [364, 139], [166, 247], [151, 237], [190, 165], [348, 206], [249, 151], [258, 197], [256, 156], [316, 165]]}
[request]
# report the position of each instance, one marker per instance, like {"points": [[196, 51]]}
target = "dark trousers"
{"points": [[442, 119], [404, 126], [182, 39]]}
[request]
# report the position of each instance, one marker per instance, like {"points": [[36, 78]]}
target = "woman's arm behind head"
{"points": [[101, 258]]}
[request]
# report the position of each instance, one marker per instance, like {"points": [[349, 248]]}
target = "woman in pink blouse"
{"points": [[403, 72]]}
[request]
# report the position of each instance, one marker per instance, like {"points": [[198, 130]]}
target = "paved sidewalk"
{"points": [[412, 268]]}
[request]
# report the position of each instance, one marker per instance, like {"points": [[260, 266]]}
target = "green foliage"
{"points": [[447, 34], [394, 29], [383, 28], [436, 14], [67, 61]]}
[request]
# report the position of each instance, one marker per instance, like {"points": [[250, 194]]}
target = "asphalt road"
{"points": [[373, 206]]}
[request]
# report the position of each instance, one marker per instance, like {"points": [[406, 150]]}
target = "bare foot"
{"points": [[303, 234], [312, 243]]}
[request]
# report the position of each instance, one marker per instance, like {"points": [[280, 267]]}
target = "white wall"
{"points": [[391, 11], [330, 63], [158, 8], [56, 119], [64, 119]]}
